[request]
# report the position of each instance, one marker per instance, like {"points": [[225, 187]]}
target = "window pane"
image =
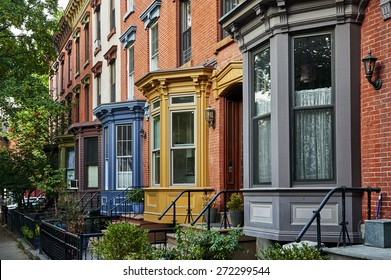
{"points": [[262, 119], [182, 99], [183, 166], [262, 82], [314, 145], [124, 156], [156, 167], [312, 66], [92, 176], [262, 172], [156, 132], [182, 128]]}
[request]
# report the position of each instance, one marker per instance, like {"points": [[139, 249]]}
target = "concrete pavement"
{"points": [[9, 248]]}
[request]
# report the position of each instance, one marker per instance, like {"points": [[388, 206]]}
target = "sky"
{"points": [[63, 3]]}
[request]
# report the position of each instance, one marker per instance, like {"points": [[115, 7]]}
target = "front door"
{"points": [[233, 136]]}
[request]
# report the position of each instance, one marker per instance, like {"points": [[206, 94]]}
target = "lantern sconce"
{"points": [[369, 67], [143, 134], [210, 116]]}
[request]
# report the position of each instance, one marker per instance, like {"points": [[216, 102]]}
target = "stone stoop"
{"points": [[376, 245]]}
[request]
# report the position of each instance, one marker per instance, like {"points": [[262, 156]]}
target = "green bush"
{"points": [[136, 195], [193, 244], [293, 252], [123, 241], [235, 202]]}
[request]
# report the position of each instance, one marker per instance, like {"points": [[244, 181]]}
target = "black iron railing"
{"points": [[344, 233], [188, 211]]}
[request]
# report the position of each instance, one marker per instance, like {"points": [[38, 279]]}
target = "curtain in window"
{"points": [[314, 136]]}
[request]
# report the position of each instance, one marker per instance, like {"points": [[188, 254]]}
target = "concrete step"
{"points": [[358, 252]]}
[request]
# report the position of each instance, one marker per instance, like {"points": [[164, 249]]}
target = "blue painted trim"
{"points": [[111, 115]]}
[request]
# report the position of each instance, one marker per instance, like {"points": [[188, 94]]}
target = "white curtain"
{"points": [[314, 135]]}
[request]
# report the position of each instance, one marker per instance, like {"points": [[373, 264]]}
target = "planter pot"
{"points": [[213, 215], [236, 218], [138, 207], [37, 242]]}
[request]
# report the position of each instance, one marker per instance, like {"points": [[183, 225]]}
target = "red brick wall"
{"points": [[376, 110]]}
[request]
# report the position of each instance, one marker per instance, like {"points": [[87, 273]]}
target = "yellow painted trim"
{"points": [[231, 74]]}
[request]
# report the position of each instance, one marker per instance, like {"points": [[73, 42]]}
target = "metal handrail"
{"points": [[173, 204], [316, 214]]}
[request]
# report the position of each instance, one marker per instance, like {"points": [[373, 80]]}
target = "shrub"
{"points": [[123, 241], [136, 195], [235, 202], [293, 252], [193, 244]]}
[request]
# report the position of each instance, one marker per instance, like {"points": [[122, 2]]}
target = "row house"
{"points": [[292, 115], [77, 132], [312, 121]]}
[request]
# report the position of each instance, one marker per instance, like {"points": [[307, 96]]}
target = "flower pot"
{"points": [[212, 215], [138, 207], [236, 218]]}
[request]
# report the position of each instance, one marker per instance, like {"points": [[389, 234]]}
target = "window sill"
{"points": [[97, 50], [77, 74], [128, 13], [223, 43], [86, 63], [112, 32]]}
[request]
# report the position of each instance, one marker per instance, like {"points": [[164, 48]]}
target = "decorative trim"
{"points": [[85, 80], [111, 54], [151, 14], [76, 34], [128, 37], [97, 69], [95, 5]]}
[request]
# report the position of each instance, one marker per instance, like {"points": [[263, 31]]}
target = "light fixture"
{"points": [[210, 116], [143, 134], [369, 67]]}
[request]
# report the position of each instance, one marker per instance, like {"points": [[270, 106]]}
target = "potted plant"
{"points": [[136, 196], [235, 207], [206, 198]]}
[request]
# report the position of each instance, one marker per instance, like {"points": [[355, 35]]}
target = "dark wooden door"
{"points": [[233, 141]]}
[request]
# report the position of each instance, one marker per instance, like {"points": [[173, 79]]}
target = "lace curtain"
{"points": [[313, 135]]}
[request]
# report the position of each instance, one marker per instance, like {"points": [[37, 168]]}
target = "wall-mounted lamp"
{"points": [[210, 116], [143, 134], [369, 67]]}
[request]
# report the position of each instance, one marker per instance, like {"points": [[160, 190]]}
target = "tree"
{"points": [[26, 106]]}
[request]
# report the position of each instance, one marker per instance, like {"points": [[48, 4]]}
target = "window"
{"points": [[106, 157], [112, 80], [87, 41], [131, 72], [98, 91], [70, 165], [154, 47], [91, 161], [226, 6], [77, 56], [98, 30], [70, 66], [62, 76], [261, 117], [182, 147], [313, 109], [112, 14], [87, 100], [185, 31], [156, 150], [124, 156]]}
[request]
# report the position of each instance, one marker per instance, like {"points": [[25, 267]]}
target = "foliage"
{"points": [[26, 106], [123, 241], [193, 244], [294, 252], [68, 212], [235, 202], [206, 198], [136, 195], [27, 233]]}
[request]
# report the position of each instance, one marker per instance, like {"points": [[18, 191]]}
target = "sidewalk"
{"points": [[12, 248]]}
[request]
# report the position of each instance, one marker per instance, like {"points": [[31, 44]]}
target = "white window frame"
{"points": [[130, 74], [181, 147], [153, 57], [117, 157]]}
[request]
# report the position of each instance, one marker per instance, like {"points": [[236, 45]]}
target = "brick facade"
{"points": [[375, 110]]}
